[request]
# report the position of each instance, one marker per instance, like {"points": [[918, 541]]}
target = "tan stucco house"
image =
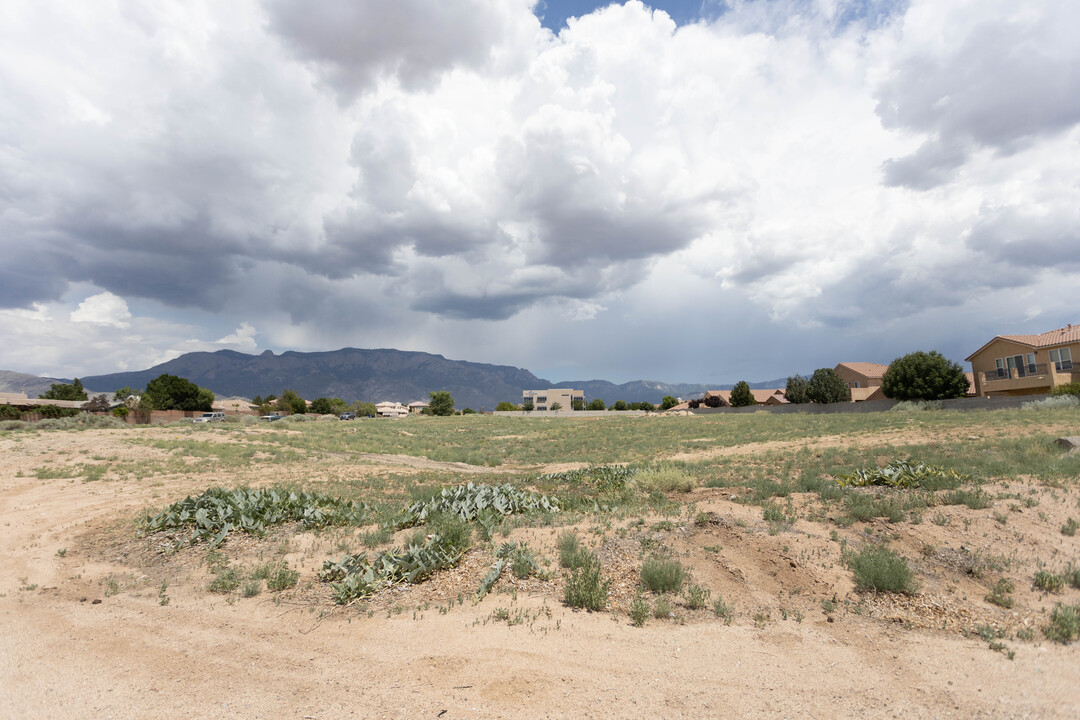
{"points": [[542, 400], [1027, 364], [762, 396], [863, 378]]}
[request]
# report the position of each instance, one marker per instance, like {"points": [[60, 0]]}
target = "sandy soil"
{"points": [[84, 632]]}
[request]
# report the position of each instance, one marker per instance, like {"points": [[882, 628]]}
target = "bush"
{"points": [[571, 554], [662, 575], [697, 597], [505, 407], [585, 587], [282, 578], [1001, 595], [1064, 624], [924, 376], [639, 611], [665, 480], [597, 404], [225, 581], [741, 395], [916, 406], [668, 402], [9, 412], [1049, 582], [826, 386], [1072, 388], [880, 569], [620, 405], [1058, 402], [291, 402]]}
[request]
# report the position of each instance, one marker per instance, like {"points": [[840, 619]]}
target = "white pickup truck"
{"points": [[210, 417]]}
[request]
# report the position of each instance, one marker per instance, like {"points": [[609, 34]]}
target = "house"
{"points": [[20, 400], [417, 407], [772, 396], [863, 378], [389, 409], [544, 400], [1026, 364]]}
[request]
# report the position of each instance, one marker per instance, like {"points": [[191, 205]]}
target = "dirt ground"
{"points": [[95, 623]]}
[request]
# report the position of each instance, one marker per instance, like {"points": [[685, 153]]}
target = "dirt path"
{"points": [[64, 655]]}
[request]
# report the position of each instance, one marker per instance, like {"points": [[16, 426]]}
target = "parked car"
{"points": [[348, 416], [272, 417], [210, 417]]}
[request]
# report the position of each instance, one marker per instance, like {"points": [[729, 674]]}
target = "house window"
{"points": [[857, 384], [542, 398], [1000, 367], [1031, 363], [542, 407], [1062, 359]]}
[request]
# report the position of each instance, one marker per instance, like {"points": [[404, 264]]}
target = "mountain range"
{"points": [[369, 375]]}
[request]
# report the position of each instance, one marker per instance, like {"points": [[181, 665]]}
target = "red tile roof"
{"points": [[1061, 336]]}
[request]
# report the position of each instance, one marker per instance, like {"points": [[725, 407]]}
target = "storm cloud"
{"points": [[443, 176]]}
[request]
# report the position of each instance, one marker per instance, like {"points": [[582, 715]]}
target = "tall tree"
{"points": [[169, 392], [441, 403], [64, 391], [741, 395], [795, 392], [668, 402], [826, 386]]}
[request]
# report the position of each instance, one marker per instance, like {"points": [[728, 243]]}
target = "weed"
{"points": [[282, 578], [975, 499], [585, 586], [880, 569], [697, 597], [663, 609], [942, 520], [723, 610], [639, 611], [251, 588], [1064, 625], [61, 552], [111, 587], [829, 605], [665, 480], [1070, 527], [225, 581], [662, 575], [702, 519], [571, 554], [375, 538], [1049, 582], [1001, 594]]}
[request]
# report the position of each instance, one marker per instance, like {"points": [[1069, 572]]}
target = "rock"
{"points": [[1069, 443]]}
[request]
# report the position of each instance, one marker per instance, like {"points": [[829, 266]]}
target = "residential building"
{"points": [[763, 396], [1027, 364], [389, 409], [863, 378], [543, 400], [417, 407]]}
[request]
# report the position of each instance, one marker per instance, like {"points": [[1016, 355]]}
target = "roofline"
{"points": [[997, 337]]}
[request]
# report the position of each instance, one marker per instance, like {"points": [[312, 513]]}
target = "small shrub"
{"points": [[1001, 594], [974, 499], [723, 610], [639, 611], [697, 597], [282, 578], [225, 581], [1049, 582], [1070, 527], [665, 480], [702, 519], [1064, 624], [662, 575], [880, 569], [585, 586], [663, 609], [1053, 403], [571, 554], [251, 588]]}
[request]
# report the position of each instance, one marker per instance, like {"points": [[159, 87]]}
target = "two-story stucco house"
{"points": [[863, 378], [542, 400], [1027, 364]]}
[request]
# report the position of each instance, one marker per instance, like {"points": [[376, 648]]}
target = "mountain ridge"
{"points": [[371, 375]]}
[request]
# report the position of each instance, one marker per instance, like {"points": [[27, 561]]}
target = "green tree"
{"points": [[741, 395], [924, 376], [577, 404], [322, 406], [63, 391], [620, 405], [505, 407], [826, 386], [364, 409], [468, 411], [123, 394], [668, 402], [796, 392], [646, 406], [441, 403], [556, 406], [169, 392], [597, 404], [99, 403], [527, 406], [257, 400], [290, 401]]}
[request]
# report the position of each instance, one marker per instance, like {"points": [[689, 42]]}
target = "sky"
{"points": [[687, 192]]}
